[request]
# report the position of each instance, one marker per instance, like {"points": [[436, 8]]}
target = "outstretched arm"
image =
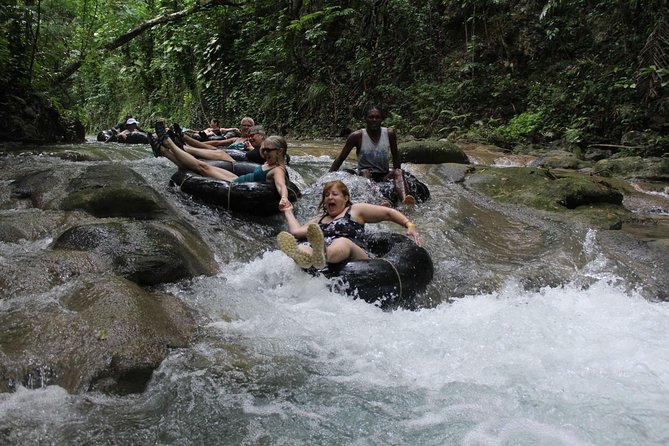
{"points": [[371, 213], [294, 226], [353, 140], [394, 151], [279, 178]]}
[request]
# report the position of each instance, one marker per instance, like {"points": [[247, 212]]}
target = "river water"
{"points": [[529, 335]]}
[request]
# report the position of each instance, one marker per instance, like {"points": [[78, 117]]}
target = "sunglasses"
{"points": [[266, 150]]}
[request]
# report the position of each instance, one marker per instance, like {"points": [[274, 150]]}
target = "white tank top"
{"points": [[374, 156]]}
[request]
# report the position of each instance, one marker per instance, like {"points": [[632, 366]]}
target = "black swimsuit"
{"points": [[344, 226]]}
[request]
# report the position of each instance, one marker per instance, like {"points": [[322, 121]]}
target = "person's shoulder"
{"points": [[360, 211], [356, 135], [279, 169]]}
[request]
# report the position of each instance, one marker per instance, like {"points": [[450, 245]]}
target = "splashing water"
{"points": [[281, 360]]}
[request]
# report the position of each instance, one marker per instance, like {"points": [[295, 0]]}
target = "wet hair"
{"points": [[335, 184], [214, 120], [276, 142], [257, 130]]}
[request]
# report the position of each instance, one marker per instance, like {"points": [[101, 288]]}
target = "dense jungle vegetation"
{"points": [[578, 71]]}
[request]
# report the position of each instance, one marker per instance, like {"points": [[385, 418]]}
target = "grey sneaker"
{"points": [[315, 239], [288, 245]]}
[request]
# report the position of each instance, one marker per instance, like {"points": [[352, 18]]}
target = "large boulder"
{"points": [[584, 196], [105, 190], [80, 307], [432, 152], [148, 253], [653, 169], [104, 333]]}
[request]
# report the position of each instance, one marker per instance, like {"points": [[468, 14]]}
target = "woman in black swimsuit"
{"points": [[338, 234]]}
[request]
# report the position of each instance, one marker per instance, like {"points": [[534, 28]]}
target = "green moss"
{"points": [[432, 152]]}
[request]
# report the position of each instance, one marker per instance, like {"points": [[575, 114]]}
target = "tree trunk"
{"points": [[121, 40]]}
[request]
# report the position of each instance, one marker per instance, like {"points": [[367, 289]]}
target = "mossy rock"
{"points": [[653, 169], [432, 152], [111, 190], [589, 197]]}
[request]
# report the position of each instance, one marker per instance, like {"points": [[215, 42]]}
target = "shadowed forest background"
{"points": [[572, 71]]}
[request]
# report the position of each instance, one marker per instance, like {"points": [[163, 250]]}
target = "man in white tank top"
{"points": [[374, 147]]}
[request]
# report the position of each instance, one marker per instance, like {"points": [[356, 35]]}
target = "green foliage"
{"points": [[501, 69], [524, 125]]}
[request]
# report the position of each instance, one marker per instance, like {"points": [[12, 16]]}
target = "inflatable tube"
{"points": [[202, 136], [415, 187], [400, 270], [133, 138], [260, 199], [238, 155]]}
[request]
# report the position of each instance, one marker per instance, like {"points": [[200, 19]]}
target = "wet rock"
{"points": [[550, 190], [105, 334], [651, 169], [79, 311], [432, 152], [43, 189], [36, 274], [639, 259], [28, 117], [111, 190], [560, 159], [147, 253]]}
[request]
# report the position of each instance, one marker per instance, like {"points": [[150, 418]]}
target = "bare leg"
{"points": [[209, 153], [197, 144], [188, 161], [343, 249], [339, 250], [401, 187]]}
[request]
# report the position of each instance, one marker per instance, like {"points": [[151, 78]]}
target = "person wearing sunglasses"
{"points": [[273, 170], [244, 128]]}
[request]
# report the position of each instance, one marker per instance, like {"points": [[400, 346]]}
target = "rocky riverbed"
{"points": [[85, 311]]}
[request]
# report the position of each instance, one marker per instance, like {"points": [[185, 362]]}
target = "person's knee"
{"points": [[397, 173], [204, 168]]}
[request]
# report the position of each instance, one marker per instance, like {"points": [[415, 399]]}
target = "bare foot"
{"points": [[409, 200]]}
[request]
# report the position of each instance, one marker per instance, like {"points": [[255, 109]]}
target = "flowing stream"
{"points": [[529, 336]]}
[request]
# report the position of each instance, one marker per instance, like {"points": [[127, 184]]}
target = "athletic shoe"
{"points": [[161, 131], [315, 239], [288, 245], [177, 129], [155, 145]]}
